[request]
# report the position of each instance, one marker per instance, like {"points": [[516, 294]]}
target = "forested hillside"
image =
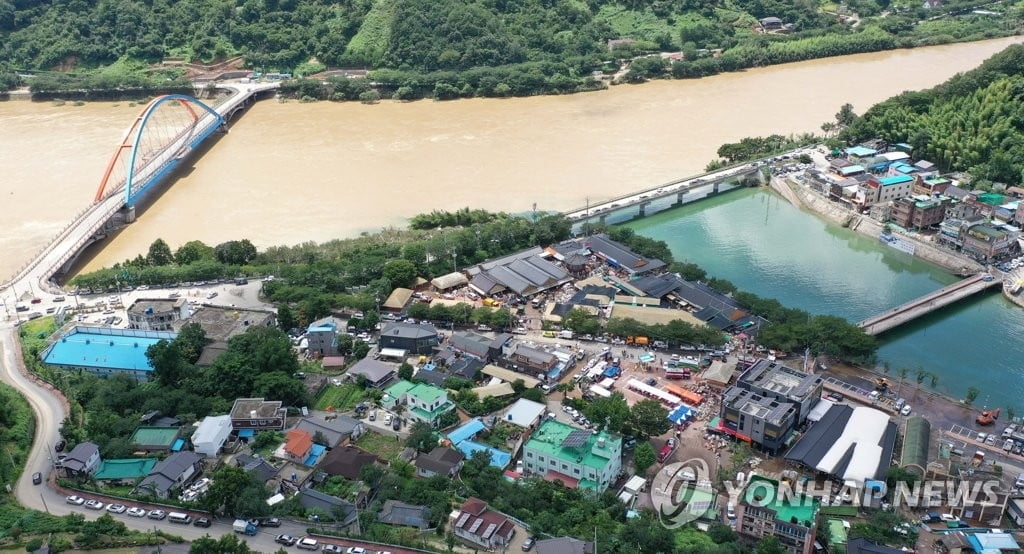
{"points": [[974, 122], [455, 35]]}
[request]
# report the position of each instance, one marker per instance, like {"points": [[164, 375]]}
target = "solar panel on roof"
{"points": [[576, 439], [462, 520], [490, 531], [476, 525]]}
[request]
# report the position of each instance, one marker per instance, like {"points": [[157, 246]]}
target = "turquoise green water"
{"points": [[766, 246]]}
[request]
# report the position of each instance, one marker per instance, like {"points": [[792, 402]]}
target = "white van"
{"points": [[178, 517]]}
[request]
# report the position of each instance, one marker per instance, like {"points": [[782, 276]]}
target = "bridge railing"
{"points": [[712, 175]]}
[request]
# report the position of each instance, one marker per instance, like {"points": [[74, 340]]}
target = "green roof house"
{"points": [[576, 457], [425, 402]]}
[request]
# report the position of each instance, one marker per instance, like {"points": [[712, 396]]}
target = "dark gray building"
{"points": [[416, 338], [768, 402], [479, 346]]}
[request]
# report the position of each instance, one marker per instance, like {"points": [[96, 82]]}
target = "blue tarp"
{"points": [[680, 414], [499, 458], [612, 371], [314, 454], [247, 433], [466, 430]]}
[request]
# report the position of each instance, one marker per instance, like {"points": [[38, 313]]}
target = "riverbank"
{"points": [[801, 197]]}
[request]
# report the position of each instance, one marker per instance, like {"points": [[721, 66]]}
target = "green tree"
{"points": [[421, 437], [191, 252], [226, 544], [401, 273], [227, 487], [168, 362], [971, 395], [405, 371], [159, 253], [265, 439], [610, 413], [281, 386], [191, 341], [721, 533], [286, 318], [770, 545], [648, 418], [644, 457]]}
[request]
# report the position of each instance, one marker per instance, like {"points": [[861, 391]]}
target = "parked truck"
{"points": [[565, 334], [244, 527]]}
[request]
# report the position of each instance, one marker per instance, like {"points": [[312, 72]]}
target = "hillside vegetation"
{"points": [[973, 122], [564, 40]]}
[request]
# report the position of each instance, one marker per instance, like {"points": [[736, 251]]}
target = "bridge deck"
{"points": [[672, 188], [79, 232], [926, 304]]}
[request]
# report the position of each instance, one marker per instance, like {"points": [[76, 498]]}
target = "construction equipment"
{"points": [[987, 417], [881, 384]]}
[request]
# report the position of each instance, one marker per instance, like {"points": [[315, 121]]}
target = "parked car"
{"points": [[136, 512], [59, 447], [355, 550], [37, 478], [202, 522], [156, 514], [75, 500], [117, 508], [906, 410], [270, 522], [94, 504], [308, 543], [528, 543], [332, 548], [286, 540]]}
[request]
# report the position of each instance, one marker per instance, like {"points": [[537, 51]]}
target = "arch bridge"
{"points": [[167, 130]]}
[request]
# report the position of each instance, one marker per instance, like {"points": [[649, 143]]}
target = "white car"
{"points": [[76, 500], [906, 410], [200, 484], [94, 505], [136, 512], [116, 508], [387, 419]]}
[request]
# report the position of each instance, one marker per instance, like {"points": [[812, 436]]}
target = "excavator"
{"points": [[987, 417], [881, 384]]}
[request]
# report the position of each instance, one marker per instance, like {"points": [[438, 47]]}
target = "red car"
{"points": [[37, 300]]}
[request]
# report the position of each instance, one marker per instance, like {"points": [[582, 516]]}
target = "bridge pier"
{"points": [[715, 188], [679, 197], [129, 214], [643, 209]]}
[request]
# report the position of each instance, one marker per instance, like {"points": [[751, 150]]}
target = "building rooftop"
{"points": [[427, 394], [409, 330], [802, 508], [244, 407], [154, 436], [750, 403], [524, 412], [222, 323], [509, 376], [618, 254], [561, 440], [144, 306], [375, 371], [895, 180], [398, 299], [780, 380], [524, 273], [105, 348], [849, 443]]}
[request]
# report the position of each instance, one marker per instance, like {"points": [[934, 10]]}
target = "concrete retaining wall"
{"points": [[803, 197]]}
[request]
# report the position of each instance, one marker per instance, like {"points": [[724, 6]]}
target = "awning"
{"points": [[393, 352], [247, 433], [680, 414], [646, 358]]}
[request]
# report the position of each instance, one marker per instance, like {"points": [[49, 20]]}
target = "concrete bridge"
{"points": [[928, 303], [144, 170], [668, 195]]}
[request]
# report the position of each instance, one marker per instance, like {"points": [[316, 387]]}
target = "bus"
{"points": [[178, 517]]}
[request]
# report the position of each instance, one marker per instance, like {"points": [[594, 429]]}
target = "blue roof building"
{"points": [[105, 351], [860, 151]]}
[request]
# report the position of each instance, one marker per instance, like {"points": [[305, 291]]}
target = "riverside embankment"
{"points": [[804, 198]]}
